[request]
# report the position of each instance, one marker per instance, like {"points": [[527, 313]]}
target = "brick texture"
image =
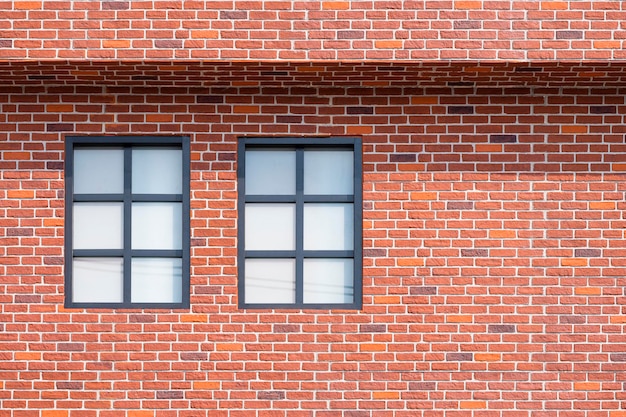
{"points": [[314, 30], [494, 271], [494, 177]]}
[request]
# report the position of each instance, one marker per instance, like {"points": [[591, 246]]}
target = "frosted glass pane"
{"points": [[328, 281], [98, 225], [98, 171], [270, 227], [270, 172], [270, 281], [328, 226], [328, 172], [156, 226], [157, 171], [97, 280], [156, 280]]}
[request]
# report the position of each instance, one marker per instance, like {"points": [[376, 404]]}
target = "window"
{"points": [[127, 222], [299, 223]]}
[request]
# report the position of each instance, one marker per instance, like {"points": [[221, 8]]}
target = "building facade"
{"points": [[312, 209]]}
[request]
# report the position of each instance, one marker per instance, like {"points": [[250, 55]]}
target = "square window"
{"points": [[127, 222], [300, 223]]}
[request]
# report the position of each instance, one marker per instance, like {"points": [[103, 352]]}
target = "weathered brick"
{"points": [[271, 395]]}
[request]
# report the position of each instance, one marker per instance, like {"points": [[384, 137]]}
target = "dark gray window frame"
{"points": [[353, 143], [127, 198]]}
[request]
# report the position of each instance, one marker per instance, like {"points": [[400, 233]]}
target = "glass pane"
{"points": [[328, 281], [270, 172], [270, 227], [157, 226], [97, 280], [98, 225], [98, 171], [157, 171], [328, 172], [156, 280], [328, 226], [270, 281]]}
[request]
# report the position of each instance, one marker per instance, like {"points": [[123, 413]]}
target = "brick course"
{"points": [[493, 272]]}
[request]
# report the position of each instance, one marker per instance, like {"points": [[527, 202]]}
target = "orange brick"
{"points": [[373, 347], [602, 205], [246, 109], [21, 194], [53, 222], [140, 413], [618, 319], [410, 262], [205, 34], [359, 130], [574, 129], [194, 318], [394, 44], [19, 156], [419, 195], [385, 395], [335, 5], [588, 290], [489, 148], [486, 357], [59, 108], [229, 347], [116, 44], [619, 167], [554, 5], [206, 385], [54, 413], [27, 356], [459, 319], [574, 262], [587, 386], [465, 5], [607, 44], [387, 299], [27, 5]]}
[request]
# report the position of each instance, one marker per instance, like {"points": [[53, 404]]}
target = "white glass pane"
{"points": [[98, 225], [328, 226], [270, 227], [98, 171], [97, 280], [328, 281], [157, 171], [156, 226], [270, 172], [156, 280], [270, 281], [328, 172]]}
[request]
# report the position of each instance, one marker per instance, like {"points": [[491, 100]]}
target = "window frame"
{"points": [[300, 144], [127, 143]]}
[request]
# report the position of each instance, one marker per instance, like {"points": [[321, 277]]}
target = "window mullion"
{"points": [[299, 225], [127, 223]]}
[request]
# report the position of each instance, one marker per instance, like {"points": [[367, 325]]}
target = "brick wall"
{"points": [[313, 30], [494, 267]]}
